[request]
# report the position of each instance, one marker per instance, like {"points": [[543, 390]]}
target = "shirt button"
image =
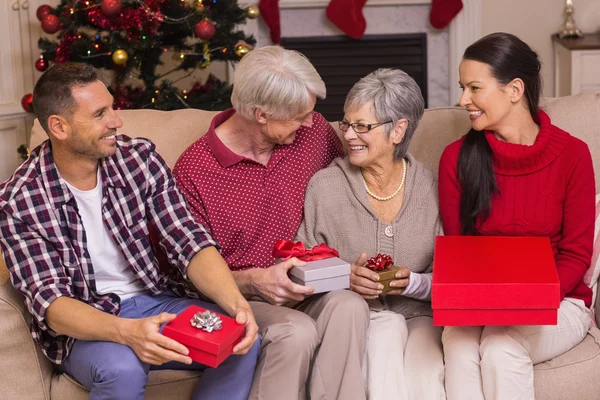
{"points": [[389, 231]]}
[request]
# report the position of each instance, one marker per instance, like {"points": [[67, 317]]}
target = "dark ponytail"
{"points": [[508, 58]]}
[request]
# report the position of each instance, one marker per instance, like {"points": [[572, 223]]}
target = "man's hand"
{"points": [[245, 316], [144, 338], [401, 282], [364, 281], [274, 285]]}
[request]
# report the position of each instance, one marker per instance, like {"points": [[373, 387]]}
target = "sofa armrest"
{"points": [[26, 372]]}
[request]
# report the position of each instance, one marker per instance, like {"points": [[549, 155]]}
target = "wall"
{"points": [[535, 21]]}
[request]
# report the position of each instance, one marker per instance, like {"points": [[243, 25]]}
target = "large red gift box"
{"points": [[208, 348], [494, 280]]}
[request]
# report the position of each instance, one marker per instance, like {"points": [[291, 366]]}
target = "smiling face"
{"points": [[94, 123], [371, 148], [487, 100], [282, 132]]}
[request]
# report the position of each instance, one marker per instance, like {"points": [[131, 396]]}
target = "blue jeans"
{"points": [[113, 371]]}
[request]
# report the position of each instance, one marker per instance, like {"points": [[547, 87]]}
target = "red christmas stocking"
{"points": [[443, 11], [347, 15], [269, 9]]}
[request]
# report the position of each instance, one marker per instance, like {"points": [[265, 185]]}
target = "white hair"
{"points": [[280, 82], [393, 95]]}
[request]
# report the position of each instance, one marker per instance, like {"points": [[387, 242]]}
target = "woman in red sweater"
{"points": [[515, 174]]}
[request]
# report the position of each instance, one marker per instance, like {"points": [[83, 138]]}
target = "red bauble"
{"points": [[42, 11], [205, 29], [111, 7], [27, 102], [51, 24], [41, 65]]}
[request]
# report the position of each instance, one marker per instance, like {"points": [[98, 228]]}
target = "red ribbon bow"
{"points": [[379, 262], [287, 249]]}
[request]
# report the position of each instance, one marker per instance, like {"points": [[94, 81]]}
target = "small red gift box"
{"points": [[494, 280], [208, 348]]}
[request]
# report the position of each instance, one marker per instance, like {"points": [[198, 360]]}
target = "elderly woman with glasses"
{"points": [[380, 200]]}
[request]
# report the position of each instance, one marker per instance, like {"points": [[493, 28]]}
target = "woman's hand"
{"points": [[364, 281], [401, 282]]}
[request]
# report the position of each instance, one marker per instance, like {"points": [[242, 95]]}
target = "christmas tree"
{"points": [[128, 37]]}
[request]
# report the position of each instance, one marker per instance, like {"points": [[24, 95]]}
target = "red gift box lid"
{"points": [[494, 272], [215, 342]]}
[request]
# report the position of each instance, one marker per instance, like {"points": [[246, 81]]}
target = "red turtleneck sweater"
{"points": [[546, 189]]}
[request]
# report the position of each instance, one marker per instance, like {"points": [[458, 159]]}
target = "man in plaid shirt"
{"points": [[74, 225]]}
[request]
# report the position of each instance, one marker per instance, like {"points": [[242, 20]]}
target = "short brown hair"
{"points": [[52, 94]]}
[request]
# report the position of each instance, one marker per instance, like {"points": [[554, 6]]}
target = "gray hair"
{"points": [[393, 95], [278, 81]]}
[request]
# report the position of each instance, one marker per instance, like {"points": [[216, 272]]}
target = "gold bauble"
{"points": [[252, 12], [120, 57], [241, 50]]}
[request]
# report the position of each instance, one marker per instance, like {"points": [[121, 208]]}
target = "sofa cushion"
{"points": [[171, 131], [22, 360], [579, 116], [572, 375], [166, 384]]}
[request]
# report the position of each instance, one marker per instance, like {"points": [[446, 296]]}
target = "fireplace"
{"points": [[342, 61], [306, 18]]}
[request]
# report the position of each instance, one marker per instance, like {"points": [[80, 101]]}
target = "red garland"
{"points": [[211, 81], [137, 22], [126, 97], [63, 52], [379, 262]]}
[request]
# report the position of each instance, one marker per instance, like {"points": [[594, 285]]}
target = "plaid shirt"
{"points": [[44, 241]]}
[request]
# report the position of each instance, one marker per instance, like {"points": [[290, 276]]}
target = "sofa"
{"points": [[27, 374]]}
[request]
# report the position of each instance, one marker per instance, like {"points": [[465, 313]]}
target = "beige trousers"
{"points": [[404, 359], [320, 344], [496, 362]]}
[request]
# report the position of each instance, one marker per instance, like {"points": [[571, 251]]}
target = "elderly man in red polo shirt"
{"points": [[245, 180]]}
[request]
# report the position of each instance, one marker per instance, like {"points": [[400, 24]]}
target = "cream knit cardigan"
{"points": [[337, 212]]}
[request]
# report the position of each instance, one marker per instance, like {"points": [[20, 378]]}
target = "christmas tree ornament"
{"points": [[252, 12], [241, 50], [111, 7], [42, 11], [120, 57], [41, 64], [27, 102], [205, 29], [51, 24]]}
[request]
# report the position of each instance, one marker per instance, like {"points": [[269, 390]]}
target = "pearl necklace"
{"points": [[391, 196]]}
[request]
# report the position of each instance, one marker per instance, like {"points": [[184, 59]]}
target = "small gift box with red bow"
{"points": [[384, 266], [324, 270], [209, 336]]}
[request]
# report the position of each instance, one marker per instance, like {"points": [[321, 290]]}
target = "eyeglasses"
{"points": [[360, 127]]}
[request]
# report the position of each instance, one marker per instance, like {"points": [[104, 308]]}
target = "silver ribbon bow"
{"points": [[207, 321]]}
